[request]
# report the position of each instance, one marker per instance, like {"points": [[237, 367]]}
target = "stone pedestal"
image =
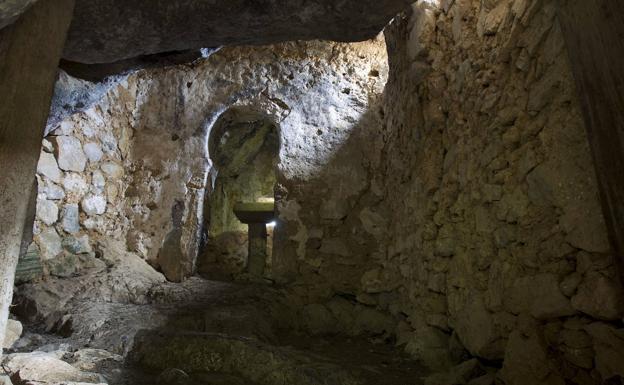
{"points": [[256, 215], [257, 249]]}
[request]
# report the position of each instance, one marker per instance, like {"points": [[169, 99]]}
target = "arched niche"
{"points": [[244, 147]]}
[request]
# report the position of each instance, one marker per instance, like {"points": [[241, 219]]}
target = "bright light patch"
{"points": [[271, 224]]}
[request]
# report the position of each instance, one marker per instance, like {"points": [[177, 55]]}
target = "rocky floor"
{"points": [[123, 325]]}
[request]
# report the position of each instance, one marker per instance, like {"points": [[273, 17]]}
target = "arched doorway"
{"points": [[244, 147]]}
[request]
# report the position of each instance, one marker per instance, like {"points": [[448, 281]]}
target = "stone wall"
{"points": [[81, 181], [496, 242], [136, 165]]}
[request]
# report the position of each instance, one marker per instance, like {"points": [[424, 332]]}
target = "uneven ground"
{"points": [[120, 323]]}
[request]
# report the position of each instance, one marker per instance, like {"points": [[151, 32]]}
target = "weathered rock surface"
{"points": [[40, 367], [108, 31]]}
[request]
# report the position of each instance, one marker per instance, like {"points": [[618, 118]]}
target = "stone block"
{"points": [[112, 170], [93, 152], [70, 218], [69, 153], [47, 211], [49, 168], [93, 205]]}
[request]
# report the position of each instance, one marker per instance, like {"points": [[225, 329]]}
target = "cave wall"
{"points": [[496, 241], [148, 182], [30, 50], [458, 211]]}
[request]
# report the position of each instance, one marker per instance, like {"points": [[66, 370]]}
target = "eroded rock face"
{"points": [[108, 31]]}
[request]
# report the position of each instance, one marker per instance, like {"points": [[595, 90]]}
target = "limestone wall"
{"points": [[135, 166], [495, 236]]}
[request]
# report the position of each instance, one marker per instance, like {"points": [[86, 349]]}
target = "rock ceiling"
{"points": [[106, 31]]}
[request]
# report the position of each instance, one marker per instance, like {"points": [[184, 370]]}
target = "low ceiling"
{"points": [[106, 31]]}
